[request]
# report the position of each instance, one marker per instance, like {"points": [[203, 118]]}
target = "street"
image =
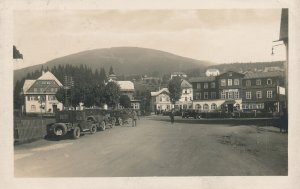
{"points": [[157, 148]]}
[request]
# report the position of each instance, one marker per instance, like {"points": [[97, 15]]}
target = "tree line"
{"points": [[91, 87]]}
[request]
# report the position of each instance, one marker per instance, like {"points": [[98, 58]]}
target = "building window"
{"points": [[229, 82], [197, 96], [245, 106], [213, 95], [236, 81], [185, 99], [205, 85], [213, 106], [33, 108], [237, 106], [260, 106], [206, 95], [223, 82], [248, 82], [230, 74], [160, 99], [198, 85], [269, 81], [223, 95], [185, 91], [167, 99], [205, 107], [258, 82], [230, 95], [236, 95], [51, 97], [213, 85], [269, 94], [258, 94], [248, 95], [198, 106]]}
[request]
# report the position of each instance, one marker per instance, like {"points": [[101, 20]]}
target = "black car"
{"points": [[190, 113]]}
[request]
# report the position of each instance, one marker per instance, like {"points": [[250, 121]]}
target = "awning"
{"points": [[229, 102]]}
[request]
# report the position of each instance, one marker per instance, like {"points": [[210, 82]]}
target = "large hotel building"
{"points": [[261, 91]]}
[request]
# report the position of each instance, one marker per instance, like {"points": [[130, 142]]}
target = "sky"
{"points": [[216, 35]]}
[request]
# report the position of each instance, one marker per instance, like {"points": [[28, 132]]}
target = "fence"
{"points": [[29, 129]]}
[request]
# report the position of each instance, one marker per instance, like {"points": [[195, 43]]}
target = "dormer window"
{"points": [[230, 74], [258, 82], [248, 82], [205, 85], [269, 81]]}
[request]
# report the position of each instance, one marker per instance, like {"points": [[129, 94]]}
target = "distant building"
{"points": [[178, 74], [186, 100], [39, 94], [273, 69], [160, 100], [212, 72], [112, 77], [127, 88]]}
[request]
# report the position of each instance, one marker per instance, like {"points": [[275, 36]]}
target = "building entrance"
{"points": [[230, 107]]}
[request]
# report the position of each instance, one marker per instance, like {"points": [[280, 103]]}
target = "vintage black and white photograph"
{"points": [[150, 92]]}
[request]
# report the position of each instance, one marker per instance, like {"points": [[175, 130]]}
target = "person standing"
{"points": [[134, 118], [172, 116]]}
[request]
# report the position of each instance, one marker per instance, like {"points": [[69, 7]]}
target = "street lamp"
{"points": [[272, 53]]}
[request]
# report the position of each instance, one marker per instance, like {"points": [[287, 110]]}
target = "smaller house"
{"points": [[39, 94], [186, 100], [160, 100], [212, 72], [178, 74], [127, 88]]}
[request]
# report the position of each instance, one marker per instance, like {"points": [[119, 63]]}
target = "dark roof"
{"points": [[202, 79], [263, 75]]}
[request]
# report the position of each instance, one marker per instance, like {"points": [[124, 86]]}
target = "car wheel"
{"points": [[103, 126], [93, 129], [129, 121], [113, 123], [76, 132]]}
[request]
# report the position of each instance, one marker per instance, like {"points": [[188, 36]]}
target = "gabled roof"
{"points": [[263, 75], [49, 76], [230, 71], [126, 85], [160, 91], [202, 79], [27, 84], [185, 84]]}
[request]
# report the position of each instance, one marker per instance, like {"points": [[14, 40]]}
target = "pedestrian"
{"points": [[139, 114], [134, 118], [172, 116]]}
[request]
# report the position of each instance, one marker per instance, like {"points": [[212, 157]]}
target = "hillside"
{"points": [[243, 67], [124, 60]]}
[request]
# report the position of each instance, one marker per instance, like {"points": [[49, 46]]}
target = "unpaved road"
{"points": [[157, 148]]}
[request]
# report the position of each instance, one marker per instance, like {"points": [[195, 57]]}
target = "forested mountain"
{"points": [[124, 60]]}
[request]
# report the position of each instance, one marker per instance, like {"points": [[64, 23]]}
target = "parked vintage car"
{"points": [[102, 118], [71, 121], [190, 113], [121, 116], [77, 121]]}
